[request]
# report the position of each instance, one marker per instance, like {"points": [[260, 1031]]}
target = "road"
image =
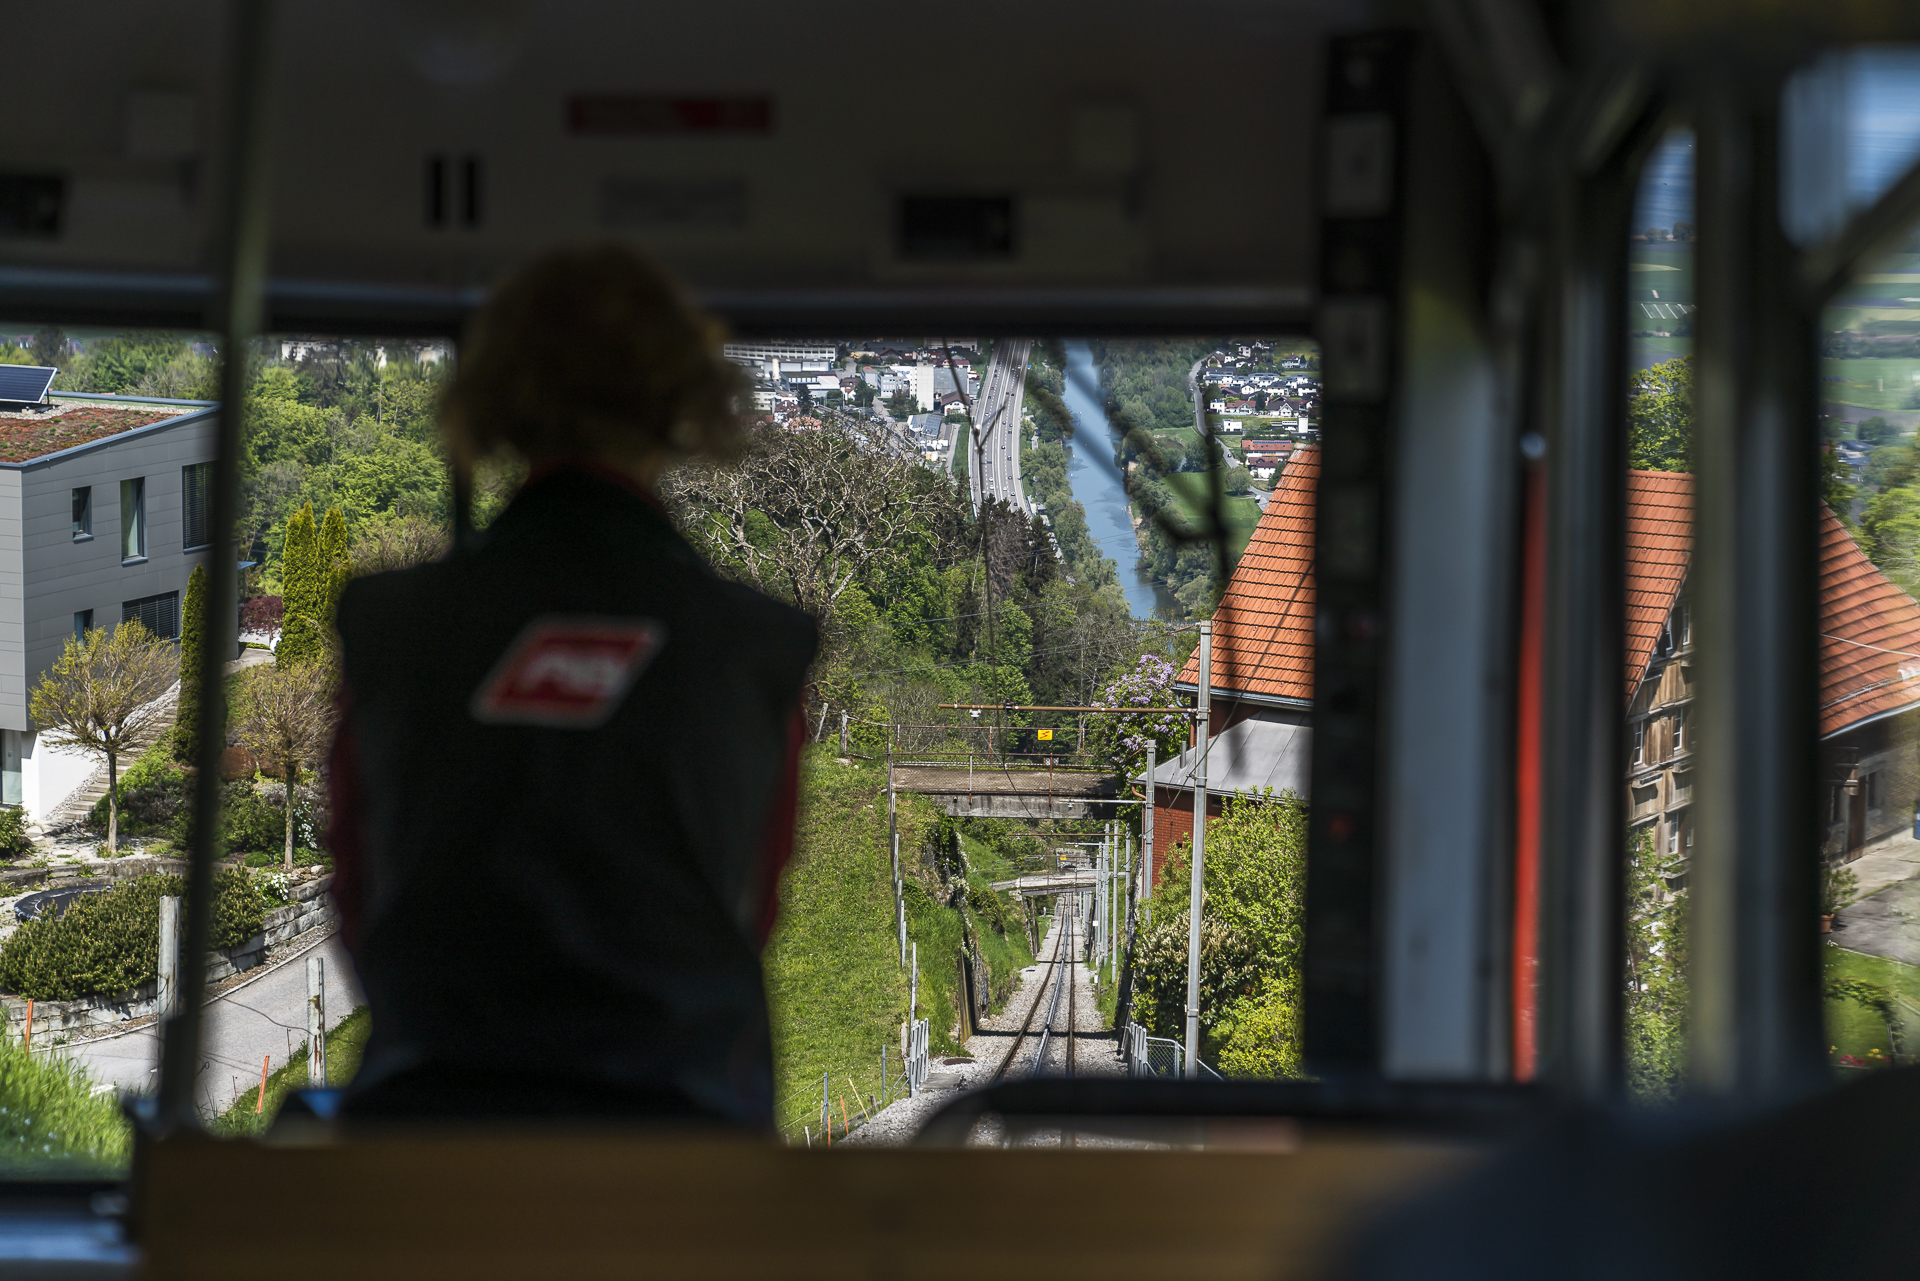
{"points": [[995, 463], [256, 1018]]}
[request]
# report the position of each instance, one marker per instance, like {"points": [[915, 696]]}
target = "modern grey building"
{"points": [[103, 515]]}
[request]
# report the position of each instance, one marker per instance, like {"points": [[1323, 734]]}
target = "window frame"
{"points": [[196, 486], [82, 499]]}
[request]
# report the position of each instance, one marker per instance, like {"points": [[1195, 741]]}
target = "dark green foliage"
{"points": [[52, 1124], [1660, 416], [304, 577], [249, 822], [109, 943], [14, 842], [186, 724], [1656, 999], [153, 797]]}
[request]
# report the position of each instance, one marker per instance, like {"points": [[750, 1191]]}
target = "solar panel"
{"points": [[27, 383]]}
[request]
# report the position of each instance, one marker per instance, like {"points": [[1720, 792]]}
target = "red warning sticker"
{"points": [[567, 671]]}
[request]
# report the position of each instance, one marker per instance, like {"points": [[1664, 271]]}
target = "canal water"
{"points": [[1095, 481]]}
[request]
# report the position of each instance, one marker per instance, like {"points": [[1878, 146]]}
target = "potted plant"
{"points": [[1837, 886]]}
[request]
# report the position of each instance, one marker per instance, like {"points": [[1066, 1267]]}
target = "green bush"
{"points": [[249, 822], [14, 842], [110, 942], [153, 797]]}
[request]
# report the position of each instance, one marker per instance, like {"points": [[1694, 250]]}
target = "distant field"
{"points": [[1870, 383]]}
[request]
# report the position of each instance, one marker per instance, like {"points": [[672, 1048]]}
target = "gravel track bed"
{"points": [[1095, 1054]]}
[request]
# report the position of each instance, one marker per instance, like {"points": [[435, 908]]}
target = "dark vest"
{"points": [[570, 736]]}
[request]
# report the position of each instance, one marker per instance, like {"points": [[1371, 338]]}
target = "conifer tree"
{"points": [[303, 588], [186, 721], [333, 545]]}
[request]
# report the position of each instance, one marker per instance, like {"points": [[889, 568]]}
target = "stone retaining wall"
{"points": [[312, 908]]}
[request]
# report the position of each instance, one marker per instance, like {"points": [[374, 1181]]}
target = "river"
{"points": [[1096, 484]]}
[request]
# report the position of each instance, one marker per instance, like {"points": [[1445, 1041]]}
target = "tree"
{"points": [[1660, 416], [333, 552], [303, 589], [101, 695], [396, 542], [1656, 998], [805, 515], [1120, 742], [186, 720], [287, 723], [1251, 930]]}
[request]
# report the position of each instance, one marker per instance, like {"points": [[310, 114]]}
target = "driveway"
{"points": [[263, 1016]]}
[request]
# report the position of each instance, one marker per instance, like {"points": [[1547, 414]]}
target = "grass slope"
{"points": [[835, 988], [52, 1125], [345, 1044]]}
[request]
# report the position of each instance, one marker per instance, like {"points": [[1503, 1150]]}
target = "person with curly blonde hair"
{"points": [[565, 779]]}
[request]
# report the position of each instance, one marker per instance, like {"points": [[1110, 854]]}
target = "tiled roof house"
{"points": [[1869, 672]]}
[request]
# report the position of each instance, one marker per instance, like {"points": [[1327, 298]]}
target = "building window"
{"points": [[83, 513], [1673, 836], [1679, 731], [1686, 623], [133, 519], [1871, 786], [1639, 742], [158, 614], [196, 494], [82, 624]]}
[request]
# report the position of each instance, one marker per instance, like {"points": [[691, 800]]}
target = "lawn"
{"points": [[52, 1124], [1872, 382], [1855, 1030], [345, 1044]]}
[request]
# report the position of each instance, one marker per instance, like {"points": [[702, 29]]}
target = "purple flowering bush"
{"points": [[1119, 742]]}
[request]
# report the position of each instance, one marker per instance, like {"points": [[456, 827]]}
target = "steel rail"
{"points": [[1026, 1026]]}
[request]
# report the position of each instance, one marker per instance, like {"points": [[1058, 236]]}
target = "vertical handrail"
{"points": [[244, 246]]}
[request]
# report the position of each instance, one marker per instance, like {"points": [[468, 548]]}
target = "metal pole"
{"points": [[317, 1021], [1204, 722], [899, 899], [243, 252], [843, 733], [913, 988], [168, 992], [1146, 839]]}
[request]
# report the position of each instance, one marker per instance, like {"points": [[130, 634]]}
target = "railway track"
{"points": [[1059, 976]]}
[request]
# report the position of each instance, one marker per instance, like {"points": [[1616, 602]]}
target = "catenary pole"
{"points": [[1195, 895], [243, 219], [1146, 838]]}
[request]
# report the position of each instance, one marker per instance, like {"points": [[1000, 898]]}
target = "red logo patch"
{"points": [[567, 671]]}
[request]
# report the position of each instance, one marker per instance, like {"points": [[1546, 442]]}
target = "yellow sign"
{"points": [[1046, 736]]}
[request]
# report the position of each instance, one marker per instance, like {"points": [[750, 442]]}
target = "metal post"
{"points": [[826, 1117], [913, 987], [1204, 723], [899, 899], [242, 252], [317, 1021], [168, 988], [843, 733], [1146, 837]]}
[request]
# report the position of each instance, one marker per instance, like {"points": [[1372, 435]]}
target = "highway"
{"points": [[996, 415]]}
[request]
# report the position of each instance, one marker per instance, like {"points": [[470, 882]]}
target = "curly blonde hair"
{"points": [[591, 352]]}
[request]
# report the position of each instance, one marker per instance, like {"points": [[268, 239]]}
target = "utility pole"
{"points": [[1203, 721], [169, 986], [317, 1021], [1146, 838], [893, 841]]}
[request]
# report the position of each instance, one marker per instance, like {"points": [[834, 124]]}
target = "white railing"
{"points": [[1152, 1055], [917, 1056]]}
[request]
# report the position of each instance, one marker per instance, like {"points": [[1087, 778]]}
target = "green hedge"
{"points": [[154, 795], [110, 942]]}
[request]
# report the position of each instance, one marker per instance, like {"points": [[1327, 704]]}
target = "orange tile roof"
{"points": [[1870, 629], [1659, 544], [1263, 629], [1869, 635]]}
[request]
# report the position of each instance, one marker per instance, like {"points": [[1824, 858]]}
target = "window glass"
{"points": [[1028, 517], [196, 512], [133, 519], [83, 512], [1868, 549], [1659, 632]]}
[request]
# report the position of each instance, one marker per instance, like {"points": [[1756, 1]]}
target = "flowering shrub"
{"points": [[1119, 742]]}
